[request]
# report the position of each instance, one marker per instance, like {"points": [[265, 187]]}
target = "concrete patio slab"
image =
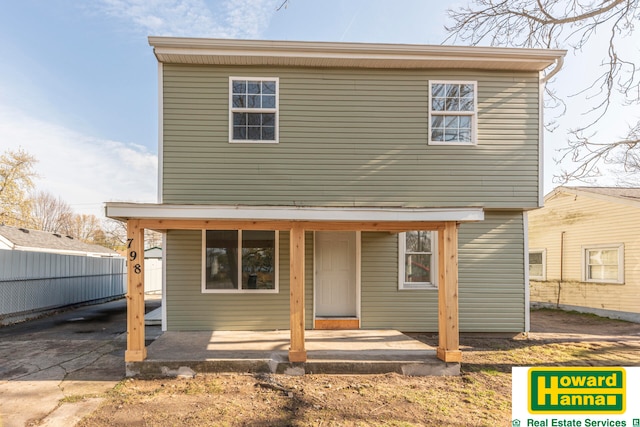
{"points": [[328, 352]]}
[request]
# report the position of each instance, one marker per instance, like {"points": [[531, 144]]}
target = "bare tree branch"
{"points": [[50, 213], [283, 5], [575, 25]]}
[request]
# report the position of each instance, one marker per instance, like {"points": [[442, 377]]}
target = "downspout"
{"points": [[543, 81], [160, 132], [527, 281], [561, 268], [556, 69]]}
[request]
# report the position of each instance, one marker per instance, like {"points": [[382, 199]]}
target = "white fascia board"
{"points": [[67, 252], [341, 49], [193, 50], [52, 251], [289, 213]]}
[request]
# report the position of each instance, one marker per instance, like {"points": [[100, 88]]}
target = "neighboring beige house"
{"points": [[584, 251]]}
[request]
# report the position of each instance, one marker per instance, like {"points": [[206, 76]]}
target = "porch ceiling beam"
{"points": [[223, 224], [126, 211]]}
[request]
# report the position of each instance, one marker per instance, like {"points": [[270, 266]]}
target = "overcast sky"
{"points": [[78, 80]]}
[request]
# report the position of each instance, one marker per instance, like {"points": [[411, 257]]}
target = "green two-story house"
{"points": [[310, 185]]}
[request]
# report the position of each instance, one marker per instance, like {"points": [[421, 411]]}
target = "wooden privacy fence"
{"points": [[32, 282]]}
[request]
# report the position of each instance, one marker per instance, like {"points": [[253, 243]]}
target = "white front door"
{"points": [[335, 275]]}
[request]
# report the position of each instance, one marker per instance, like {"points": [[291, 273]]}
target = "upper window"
{"points": [[452, 112], [253, 109], [240, 261], [603, 263], [417, 260], [538, 264]]}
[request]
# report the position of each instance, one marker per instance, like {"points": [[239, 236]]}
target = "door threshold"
{"points": [[335, 323]]}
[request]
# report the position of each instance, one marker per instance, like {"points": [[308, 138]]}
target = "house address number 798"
{"points": [[137, 268]]}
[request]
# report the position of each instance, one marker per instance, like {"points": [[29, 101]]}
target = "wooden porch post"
{"points": [[136, 351], [297, 352], [448, 332]]}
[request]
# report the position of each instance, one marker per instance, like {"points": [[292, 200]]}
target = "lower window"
{"points": [[417, 260], [538, 264], [603, 263], [240, 261]]}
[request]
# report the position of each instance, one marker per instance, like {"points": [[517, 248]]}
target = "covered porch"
{"points": [[296, 221]]}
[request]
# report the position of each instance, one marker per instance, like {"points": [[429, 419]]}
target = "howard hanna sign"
{"points": [[577, 390], [576, 397]]}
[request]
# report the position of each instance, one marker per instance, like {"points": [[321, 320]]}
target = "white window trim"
{"points": [[544, 263], [473, 114], [585, 263], [240, 290], [402, 285], [275, 110]]}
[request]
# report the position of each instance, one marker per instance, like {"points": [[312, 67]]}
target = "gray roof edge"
{"points": [[32, 240], [613, 194]]}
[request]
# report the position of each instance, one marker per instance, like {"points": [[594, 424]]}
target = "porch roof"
{"points": [[297, 220], [175, 212]]}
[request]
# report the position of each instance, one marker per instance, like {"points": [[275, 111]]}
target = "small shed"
{"points": [[153, 270], [153, 253]]}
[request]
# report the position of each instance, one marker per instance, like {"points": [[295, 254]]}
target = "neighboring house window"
{"points": [[240, 261], [253, 109], [538, 264], [452, 112], [603, 263], [417, 260]]}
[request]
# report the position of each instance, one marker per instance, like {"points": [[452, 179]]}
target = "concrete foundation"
{"points": [[329, 352]]}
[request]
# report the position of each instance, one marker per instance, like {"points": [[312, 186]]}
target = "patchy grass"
{"points": [[480, 396], [77, 398]]}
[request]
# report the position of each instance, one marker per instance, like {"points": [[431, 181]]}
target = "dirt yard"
{"points": [[480, 396]]}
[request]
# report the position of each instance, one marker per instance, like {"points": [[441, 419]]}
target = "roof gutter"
{"points": [[65, 252], [332, 54], [559, 63]]}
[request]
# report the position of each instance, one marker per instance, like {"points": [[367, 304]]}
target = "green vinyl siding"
{"points": [[491, 284], [491, 274], [190, 309], [349, 138], [383, 306], [491, 280]]}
